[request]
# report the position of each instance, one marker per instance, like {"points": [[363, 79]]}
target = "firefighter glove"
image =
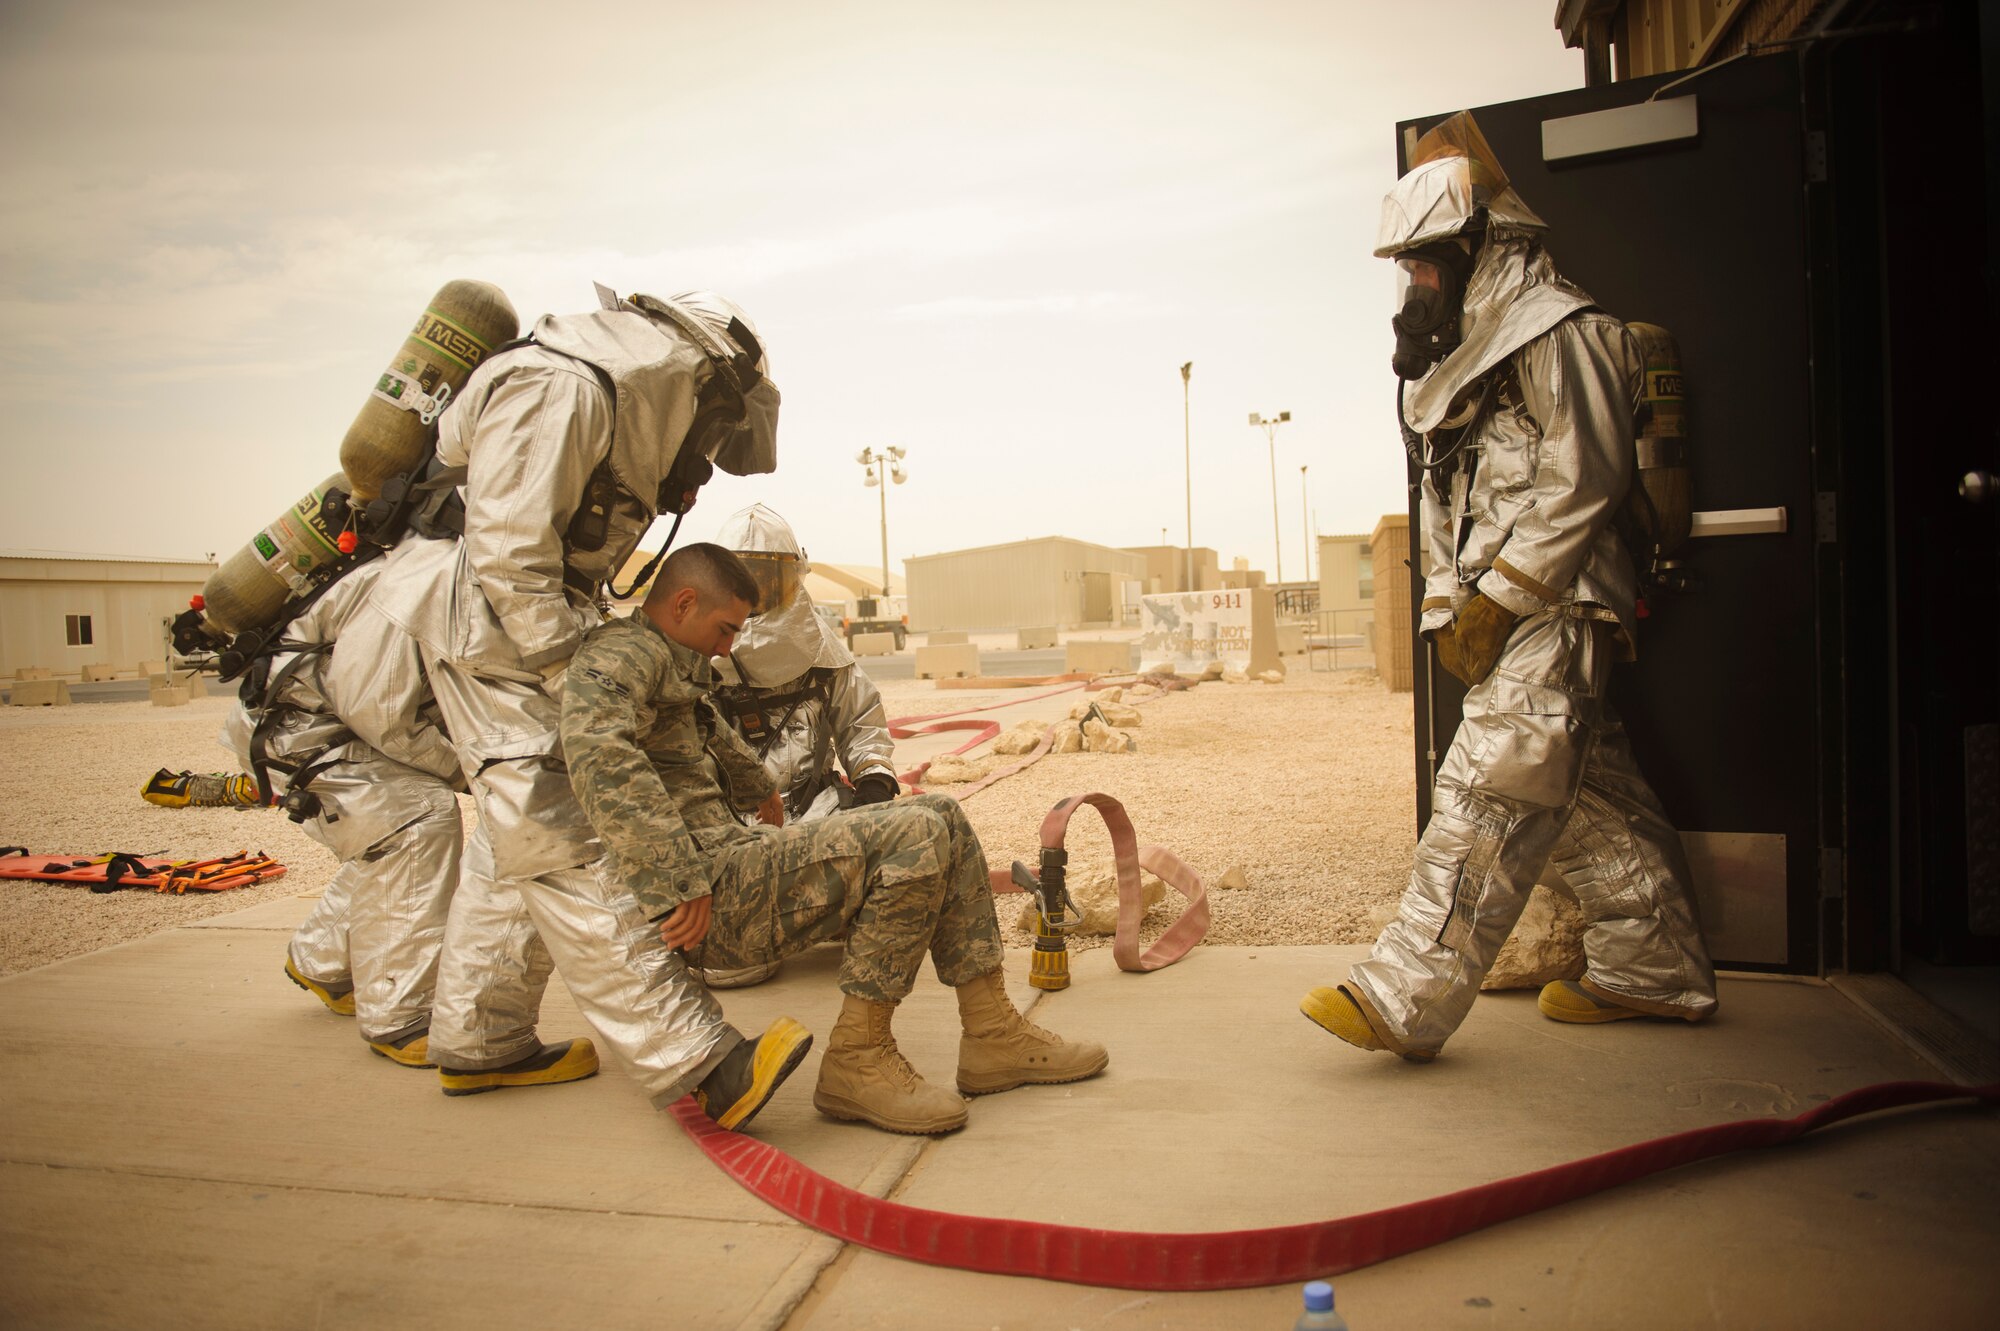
{"points": [[1470, 647], [875, 788]]}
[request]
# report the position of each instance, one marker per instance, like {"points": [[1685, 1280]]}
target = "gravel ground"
{"points": [[1306, 786]]}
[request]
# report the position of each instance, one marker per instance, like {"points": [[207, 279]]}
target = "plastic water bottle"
{"points": [[1319, 1314]]}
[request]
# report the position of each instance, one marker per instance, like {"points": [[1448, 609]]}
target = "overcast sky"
{"points": [[987, 232]]}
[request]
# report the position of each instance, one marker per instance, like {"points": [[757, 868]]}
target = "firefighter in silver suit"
{"points": [[562, 451], [344, 729], [1520, 411], [794, 692]]}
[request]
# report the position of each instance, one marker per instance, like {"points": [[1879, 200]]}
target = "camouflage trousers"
{"points": [[902, 878]]}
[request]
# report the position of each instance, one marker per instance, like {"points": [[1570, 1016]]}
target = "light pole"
{"points": [[1187, 449], [1271, 424], [1305, 522], [889, 459]]}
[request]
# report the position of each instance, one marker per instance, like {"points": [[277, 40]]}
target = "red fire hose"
{"points": [[1242, 1258]]}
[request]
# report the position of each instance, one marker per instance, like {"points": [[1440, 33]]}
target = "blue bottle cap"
{"points": [[1319, 1297]]}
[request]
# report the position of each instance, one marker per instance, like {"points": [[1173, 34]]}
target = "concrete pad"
{"points": [[95, 1249], [284, 914], [188, 1054], [1224, 1108]]}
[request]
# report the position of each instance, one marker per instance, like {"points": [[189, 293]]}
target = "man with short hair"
{"points": [[796, 694], [640, 731]]}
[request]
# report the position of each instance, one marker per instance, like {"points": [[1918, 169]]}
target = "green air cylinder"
{"points": [[253, 584], [1662, 444], [398, 423]]}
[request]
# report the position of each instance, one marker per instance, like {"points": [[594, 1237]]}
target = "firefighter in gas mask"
{"points": [[1519, 414], [555, 458], [792, 689]]}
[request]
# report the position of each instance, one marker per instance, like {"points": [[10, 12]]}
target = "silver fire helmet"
{"points": [[787, 636], [1455, 184], [736, 417]]}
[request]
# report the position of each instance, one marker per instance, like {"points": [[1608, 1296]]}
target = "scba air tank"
{"points": [[253, 584], [1661, 503], [398, 423]]}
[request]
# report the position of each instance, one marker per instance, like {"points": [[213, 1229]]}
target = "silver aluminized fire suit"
{"points": [[364, 712], [594, 415], [791, 687], [1540, 766]]}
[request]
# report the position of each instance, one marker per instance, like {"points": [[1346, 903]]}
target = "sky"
{"points": [[988, 233]]}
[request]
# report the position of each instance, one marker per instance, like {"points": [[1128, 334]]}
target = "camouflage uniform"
{"points": [[650, 759]]}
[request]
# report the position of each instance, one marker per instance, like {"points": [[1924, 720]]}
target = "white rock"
{"points": [[1138, 691], [1234, 674], [953, 770], [1272, 676], [1112, 694], [1213, 670], [1547, 944], [1021, 739], [1118, 714], [1233, 877]]}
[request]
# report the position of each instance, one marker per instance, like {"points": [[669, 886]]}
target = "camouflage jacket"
{"points": [[639, 733]]}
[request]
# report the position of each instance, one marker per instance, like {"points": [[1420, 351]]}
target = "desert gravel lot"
{"points": [[1306, 786]]}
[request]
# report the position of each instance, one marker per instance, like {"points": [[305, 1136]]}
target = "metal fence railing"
{"points": [[1341, 640]]}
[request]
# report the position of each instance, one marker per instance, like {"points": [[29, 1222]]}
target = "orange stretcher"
{"points": [[118, 870]]}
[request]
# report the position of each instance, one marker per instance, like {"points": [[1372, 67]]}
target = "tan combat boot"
{"points": [[1002, 1049], [863, 1077]]}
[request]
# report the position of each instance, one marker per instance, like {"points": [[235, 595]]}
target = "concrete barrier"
{"points": [[953, 661], [1028, 640], [39, 693], [947, 638], [196, 686], [1097, 657], [873, 644], [99, 671], [169, 695], [152, 668], [34, 672], [1291, 640]]}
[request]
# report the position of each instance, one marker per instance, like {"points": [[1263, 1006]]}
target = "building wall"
{"points": [[1346, 573], [1166, 568], [1390, 548], [1024, 584], [126, 600]]}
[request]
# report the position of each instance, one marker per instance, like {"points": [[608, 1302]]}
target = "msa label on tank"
{"points": [[299, 542], [449, 340], [1664, 384]]}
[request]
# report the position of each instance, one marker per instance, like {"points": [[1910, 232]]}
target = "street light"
{"points": [[1187, 449], [1305, 522], [891, 459], [1271, 424]]}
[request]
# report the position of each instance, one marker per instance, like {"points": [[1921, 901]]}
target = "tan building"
{"points": [[1167, 568], [1347, 576], [1051, 581], [1389, 547], [63, 611]]}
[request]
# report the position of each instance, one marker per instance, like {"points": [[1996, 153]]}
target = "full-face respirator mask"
{"points": [[1431, 282]]}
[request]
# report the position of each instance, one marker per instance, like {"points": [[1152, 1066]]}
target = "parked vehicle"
{"points": [[877, 614]]}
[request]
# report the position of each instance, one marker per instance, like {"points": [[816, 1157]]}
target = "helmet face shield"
{"points": [[776, 576]]}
